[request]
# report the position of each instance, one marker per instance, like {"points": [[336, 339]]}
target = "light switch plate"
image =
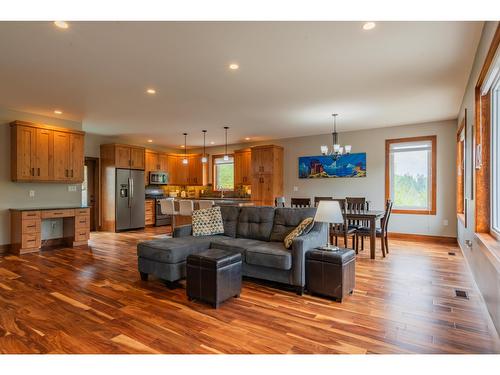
{"points": [[295, 188], [71, 187], [445, 223], [32, 193]]}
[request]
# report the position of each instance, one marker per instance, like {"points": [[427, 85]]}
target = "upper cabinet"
{"points": [[46, 153], [197, 174], [155, 161], [125, 156], [242, 167], [267, 178]]}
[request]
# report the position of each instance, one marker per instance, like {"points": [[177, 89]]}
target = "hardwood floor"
{"points": [[91, 300]]}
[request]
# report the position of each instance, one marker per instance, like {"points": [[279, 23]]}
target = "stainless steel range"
{"points": [[156, 193]]}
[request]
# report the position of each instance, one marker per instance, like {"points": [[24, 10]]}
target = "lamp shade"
{"points": [[329, 212]]}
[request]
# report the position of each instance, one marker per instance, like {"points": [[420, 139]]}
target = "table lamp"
{"points": [[331, 213]]}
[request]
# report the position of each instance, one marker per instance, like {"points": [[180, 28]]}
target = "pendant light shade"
{"points": [[337, 149], [185, 160], [204, 158], [226, 156]]}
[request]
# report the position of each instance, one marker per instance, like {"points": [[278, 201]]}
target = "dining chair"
{"points": [[300, 202], [358, 204], [381, 232], [279, 202], [203, 204], [342, 230], [318, 199]]}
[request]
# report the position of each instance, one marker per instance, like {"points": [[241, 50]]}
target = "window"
{"points": [[411, 174], [495, 158], [223, 173]]}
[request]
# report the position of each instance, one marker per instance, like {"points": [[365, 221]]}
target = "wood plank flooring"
{"points": [[91, 300]]}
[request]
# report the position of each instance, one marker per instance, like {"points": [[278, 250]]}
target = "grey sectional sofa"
{"points": [[255, 232]]}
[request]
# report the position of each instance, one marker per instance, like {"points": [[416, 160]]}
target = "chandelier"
{"points": [[337, 150]]}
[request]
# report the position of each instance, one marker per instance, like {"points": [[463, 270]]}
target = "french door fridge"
{"points": [[129, 199]]}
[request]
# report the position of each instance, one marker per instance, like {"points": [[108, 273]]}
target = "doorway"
{"points": [[90, 190]]}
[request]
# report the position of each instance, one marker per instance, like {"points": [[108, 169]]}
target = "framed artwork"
{"points": [[326, 166]]}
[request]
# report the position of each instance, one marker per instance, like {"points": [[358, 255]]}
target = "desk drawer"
{"points": [[82, 211], [30, 215], [82, 235], [30, 226], [52, 214], [30, 241], [82, 222]]}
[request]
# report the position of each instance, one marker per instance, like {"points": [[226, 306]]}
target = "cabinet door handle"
{"points": [[31, 226], [38, 171], [72, 173], [65, 173]]}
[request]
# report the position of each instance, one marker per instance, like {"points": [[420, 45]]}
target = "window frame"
{"points": [[388, 143], [495, 157], [214, 185], [461, 166]]}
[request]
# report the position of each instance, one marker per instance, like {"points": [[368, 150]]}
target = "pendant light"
{"points": [[337, 150], [204, 156], [185, 160], [226, 156]]}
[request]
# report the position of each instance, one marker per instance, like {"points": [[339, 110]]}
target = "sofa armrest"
{"points": [[317, 236], [182, 231]]}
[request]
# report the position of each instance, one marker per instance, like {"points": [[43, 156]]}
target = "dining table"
{"points": [[370, 216]]}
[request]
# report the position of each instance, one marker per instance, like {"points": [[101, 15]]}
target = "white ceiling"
{"points": [[292, 76]]}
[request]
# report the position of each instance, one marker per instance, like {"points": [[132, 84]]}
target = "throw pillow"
{"points": [[301, 228], [207, 222]]}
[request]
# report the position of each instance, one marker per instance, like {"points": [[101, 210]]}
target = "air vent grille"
{"points": [[461, 294], [451, 253]]}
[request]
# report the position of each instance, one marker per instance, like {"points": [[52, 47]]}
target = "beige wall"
{"points": [[483, 266], [16, 194], [373, 186]]}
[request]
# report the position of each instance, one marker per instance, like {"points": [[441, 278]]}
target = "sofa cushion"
{"points": [[255, 223], [237, 245], [287, 219], [230, 219], [173, 250], [269, 254]]}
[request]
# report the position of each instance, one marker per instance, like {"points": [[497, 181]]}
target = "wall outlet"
{"points": [[445, 223], [71, 187], [295, 188], [32, 193]]}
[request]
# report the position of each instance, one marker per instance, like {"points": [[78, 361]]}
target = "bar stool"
{"points": [[167, 207], [205, 204], [186, 207]]}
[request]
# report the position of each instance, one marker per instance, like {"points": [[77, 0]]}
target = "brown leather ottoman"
{"points": [[213, 276], [330, 273]]}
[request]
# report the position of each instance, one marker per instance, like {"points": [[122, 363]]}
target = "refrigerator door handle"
{"points": [[132, 188], [130, 192]]}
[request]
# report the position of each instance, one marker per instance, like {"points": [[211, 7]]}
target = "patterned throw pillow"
{"points": [[301, 228], [207, 221]]}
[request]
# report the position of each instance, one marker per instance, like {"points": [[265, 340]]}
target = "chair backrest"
{"points": [[279, 202], [318, 199], [300, 202], [167, 206], [205, 204], [384, 223], [186, 207], [357, 203], [342, 203]]}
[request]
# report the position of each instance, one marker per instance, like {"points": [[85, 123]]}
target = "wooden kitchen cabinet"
{"points": [[155, 161], [242, 167], [182, 171], [149, 211], [197, 170], [46, 153], [267, 174], [163, 162], [125, 156]]}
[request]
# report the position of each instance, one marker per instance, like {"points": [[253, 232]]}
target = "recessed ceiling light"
{"points": [[58, 112], [150, 141], [151, 91], [247, 138], [369, 25], [234, 66], [212, 143], [182, 146], [61, 24]]}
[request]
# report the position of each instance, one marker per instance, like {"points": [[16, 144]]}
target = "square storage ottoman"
{"points": [[330, 273], [213, 276]]}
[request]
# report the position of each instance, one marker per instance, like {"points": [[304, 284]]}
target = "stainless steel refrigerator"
{"points": [[129, 199]]}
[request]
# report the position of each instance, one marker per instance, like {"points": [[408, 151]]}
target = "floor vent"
{"points": [[461, 294], [451, 253]]}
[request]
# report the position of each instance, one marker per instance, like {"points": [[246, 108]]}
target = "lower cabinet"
{"points": [[149, 212]]}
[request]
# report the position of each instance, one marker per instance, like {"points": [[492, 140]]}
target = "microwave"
{"points": [[158, 178]]}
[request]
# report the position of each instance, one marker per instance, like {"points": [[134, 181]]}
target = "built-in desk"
{"points": [[26, 224]]}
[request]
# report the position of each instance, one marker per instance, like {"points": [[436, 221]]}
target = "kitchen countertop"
{"points": [[70, 207]]}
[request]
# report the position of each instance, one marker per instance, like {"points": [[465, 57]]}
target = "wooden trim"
{"points": [[45, 126], [433, 139], [460, 166], [483, 130], [216, 156], [422, 237]]}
